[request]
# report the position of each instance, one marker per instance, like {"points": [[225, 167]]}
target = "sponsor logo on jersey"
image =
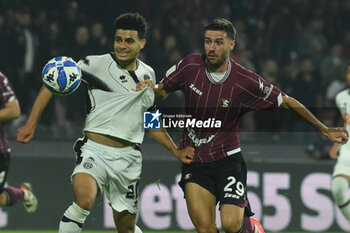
{"points": [[151, 120], [265, 89], [195, 89], [225, 102], [198, 141], [123, 79], [87, 165], [230, 195], [188, 176]]}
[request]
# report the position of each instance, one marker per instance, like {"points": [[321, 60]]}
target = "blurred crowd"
{"points": [[300, 46]]}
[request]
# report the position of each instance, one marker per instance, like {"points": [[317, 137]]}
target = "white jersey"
{"points": [[114, 107], [342, 100]]}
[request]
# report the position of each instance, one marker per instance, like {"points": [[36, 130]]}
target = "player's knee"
{"points": [[231, 224], [206, 228], [85, 202], [3, 199], [125, 228], [339, 188]]}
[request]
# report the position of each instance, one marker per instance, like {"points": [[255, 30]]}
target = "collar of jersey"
{"points": [[227, 73], [116, 61]]}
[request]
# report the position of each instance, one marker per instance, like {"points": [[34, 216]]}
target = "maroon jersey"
{"points": [[6, 95], [226, 101]]}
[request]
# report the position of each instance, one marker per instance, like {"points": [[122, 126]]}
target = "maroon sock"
{"points": [[248, 225], [14, 195]]}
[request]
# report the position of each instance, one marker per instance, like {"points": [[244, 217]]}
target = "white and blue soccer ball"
{"points": [[61, 75]]}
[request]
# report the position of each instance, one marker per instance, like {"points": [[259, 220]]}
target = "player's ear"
{"points": [[232, 45], [142, 43]]}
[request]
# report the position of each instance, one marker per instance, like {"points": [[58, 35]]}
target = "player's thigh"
{"points": [[85, 190], [346, 176], [342, 167], [231, 216], [124, 221], [201, 205]]}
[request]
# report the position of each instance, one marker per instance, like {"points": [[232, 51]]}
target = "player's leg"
{"points": [[240, 222], [231, 218], [340, 186], [125, 222], [124, 174], [9, 195], [232, 193], [201, 208], [85, 191]]}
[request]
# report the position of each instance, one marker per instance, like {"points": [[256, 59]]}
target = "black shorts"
{"points": [[226, 179], [4, 167]]}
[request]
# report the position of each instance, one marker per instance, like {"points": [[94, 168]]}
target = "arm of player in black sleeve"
{"points": [[160, 135], [26, 132], [339, 134]]}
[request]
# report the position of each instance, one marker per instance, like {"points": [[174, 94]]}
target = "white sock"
{"points": [[73, 219], [340, 186], [137, 229]]}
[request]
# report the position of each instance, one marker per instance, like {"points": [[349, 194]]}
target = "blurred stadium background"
{"points": [[300, 46]]}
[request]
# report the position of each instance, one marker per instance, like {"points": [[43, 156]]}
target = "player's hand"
{"points": [[25, 134], [143, 84], [185, 155], [338, 135]]}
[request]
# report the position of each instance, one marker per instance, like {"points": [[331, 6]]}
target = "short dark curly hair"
{"points": [[222, 25], [131, 21]]}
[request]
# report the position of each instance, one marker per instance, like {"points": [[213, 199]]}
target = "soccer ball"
{"points": [[61, 75]]}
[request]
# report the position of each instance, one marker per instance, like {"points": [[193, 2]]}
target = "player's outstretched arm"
{"points": [[160, 135], [26, 132], [339, 134]]}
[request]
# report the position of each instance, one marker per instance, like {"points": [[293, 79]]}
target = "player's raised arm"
{"points": [[26, 132], [160, 135], [338, 134]]}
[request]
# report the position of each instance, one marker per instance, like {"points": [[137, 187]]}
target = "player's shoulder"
{"points": [[241, 72], [193, 58], [343, 95], [147, 70], [145, 66], [92, 60]]}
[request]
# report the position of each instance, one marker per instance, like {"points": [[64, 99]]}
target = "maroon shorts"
{"points": [[4, 167], [226, 179]]}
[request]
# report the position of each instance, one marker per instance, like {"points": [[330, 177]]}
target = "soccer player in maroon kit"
{"points": [[215, 86], [9, 109]]}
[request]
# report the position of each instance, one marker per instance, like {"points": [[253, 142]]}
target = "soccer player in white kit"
{"points": [[341, 173], [108, 157]]}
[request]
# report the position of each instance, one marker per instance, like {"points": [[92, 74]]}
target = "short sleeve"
{"points": [[262, 94], [6, 91], [174, 77]]}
